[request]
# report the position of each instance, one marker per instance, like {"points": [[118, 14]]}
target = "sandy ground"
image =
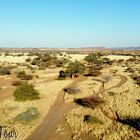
{"points": [[78, 57], [73, 57], [117, 57], [14, 59]]}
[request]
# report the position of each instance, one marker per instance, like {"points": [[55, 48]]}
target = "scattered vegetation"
{"points": [[23, 76], [129, 69], [136, 78], [46, 60]]}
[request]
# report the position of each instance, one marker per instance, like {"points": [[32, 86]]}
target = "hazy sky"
{"points": [[69, 23]]}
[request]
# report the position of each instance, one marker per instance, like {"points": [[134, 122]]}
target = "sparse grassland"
{"points": [[97, 94]]}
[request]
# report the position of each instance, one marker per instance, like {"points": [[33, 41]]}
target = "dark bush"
{"points": [[133, 122], [91, 102], [129, 69], [34, 62], [92, 119], [72, 90], [4, 71], [16, 83], [136, 78], [62, 74], [28, 60], [120, 60]]}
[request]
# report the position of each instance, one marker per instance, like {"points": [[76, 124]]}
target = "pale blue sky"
{"points": [[69, 23]]}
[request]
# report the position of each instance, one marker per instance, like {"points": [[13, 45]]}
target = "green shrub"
{"points": [[92, 119], [92, 58], [26, 92], [29, 115], [4, 71], [21, 74]]}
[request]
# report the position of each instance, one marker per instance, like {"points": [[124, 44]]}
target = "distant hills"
{"points": [[126, 48], [82, 49]]}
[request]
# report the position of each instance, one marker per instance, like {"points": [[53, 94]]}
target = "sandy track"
{"points": [[123, 80]]}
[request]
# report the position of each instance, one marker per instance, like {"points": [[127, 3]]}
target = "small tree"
{"points": [[26, 92], [75, 68], [94, 59], [91, 58]]}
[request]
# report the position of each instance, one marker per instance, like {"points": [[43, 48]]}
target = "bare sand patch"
{"points": [[78, 57], [117, 57], [14, 59]]}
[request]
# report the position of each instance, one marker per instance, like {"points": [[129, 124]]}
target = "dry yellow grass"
{"points": [[123, 102]]}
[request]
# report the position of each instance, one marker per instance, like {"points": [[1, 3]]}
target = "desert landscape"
{"points": [[77, 94]]}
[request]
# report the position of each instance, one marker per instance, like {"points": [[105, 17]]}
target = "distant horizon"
{"points": [[68, 47], [71, 23]]}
